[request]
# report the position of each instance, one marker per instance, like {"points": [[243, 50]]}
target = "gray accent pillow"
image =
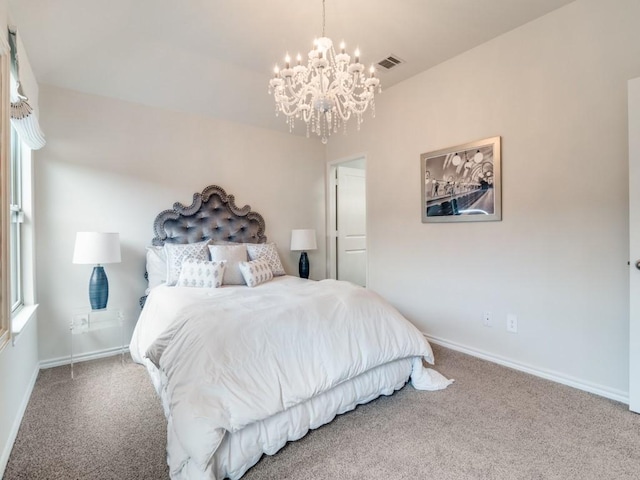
{"points": [[233, 255]]}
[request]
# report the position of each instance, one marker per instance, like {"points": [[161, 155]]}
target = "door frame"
{"points": [[331, 232], [634, 245]]}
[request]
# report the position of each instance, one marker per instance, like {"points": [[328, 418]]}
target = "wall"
{"points": [[556, 91], [18, 372], [113, 166]]}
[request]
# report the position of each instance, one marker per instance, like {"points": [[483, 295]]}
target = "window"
{"points": [[20, 264], [5, 321], [17, 241], [16, 221]]}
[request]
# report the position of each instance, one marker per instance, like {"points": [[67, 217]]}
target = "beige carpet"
{"points": [[493, 423]]}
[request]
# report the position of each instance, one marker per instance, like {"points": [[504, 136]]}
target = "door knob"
{"points": [[638, 264]]}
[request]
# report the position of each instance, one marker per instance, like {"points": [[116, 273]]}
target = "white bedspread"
{"points": [[231, 357]]}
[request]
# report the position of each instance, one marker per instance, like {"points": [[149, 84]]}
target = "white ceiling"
{"points": [[215, 57]]}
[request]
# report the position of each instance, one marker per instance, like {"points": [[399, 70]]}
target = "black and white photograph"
{"points": [[462, 183]]}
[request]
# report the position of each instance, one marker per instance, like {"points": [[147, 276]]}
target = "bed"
{"points": [[244, 364]]}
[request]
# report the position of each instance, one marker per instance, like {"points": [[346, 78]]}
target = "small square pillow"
{"points": [[201, 274], [268, 252], [178, 252], [256, 272], [232, 254]]}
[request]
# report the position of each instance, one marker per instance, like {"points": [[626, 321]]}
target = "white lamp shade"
{"points": [[304, 239], [97, 248]]}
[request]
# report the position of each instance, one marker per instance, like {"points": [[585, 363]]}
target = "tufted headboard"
{"points": [[213, 215]]}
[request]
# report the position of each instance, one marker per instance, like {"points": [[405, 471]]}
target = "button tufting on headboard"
{"points": [[211, 216]]}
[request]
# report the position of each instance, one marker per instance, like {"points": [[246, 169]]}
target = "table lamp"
{"points": [[97, 248], [303, 240]]}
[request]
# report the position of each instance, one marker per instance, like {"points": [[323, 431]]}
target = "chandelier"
{"points": [[325, 92]]}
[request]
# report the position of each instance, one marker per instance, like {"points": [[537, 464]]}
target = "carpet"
{"points": [[492, 423]]}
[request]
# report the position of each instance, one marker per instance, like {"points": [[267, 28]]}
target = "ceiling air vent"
{"points": [[390, 62]]}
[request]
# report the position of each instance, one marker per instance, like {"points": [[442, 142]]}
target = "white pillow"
{"points": [[256, 272], [268, 252], [201, 274], [178, 252], [156, 267], [232, 254]]}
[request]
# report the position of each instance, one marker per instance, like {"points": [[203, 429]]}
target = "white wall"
{"points": [[18, 372], [556, 91], [110, 165]]}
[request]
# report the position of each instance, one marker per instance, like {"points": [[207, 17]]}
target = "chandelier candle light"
{"points": [[327, 91]]}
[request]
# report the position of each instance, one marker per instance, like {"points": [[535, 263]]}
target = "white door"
{"points": [[351, 212], [634, 244]]}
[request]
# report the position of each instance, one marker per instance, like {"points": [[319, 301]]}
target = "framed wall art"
{"points": [[462, 183]]}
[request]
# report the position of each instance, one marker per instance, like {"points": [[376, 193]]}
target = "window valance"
{"points": [[23, 117]]}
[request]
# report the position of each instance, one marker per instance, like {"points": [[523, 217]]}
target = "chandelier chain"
{"points": [[324, 14]]}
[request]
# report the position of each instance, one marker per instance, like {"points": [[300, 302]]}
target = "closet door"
{"points": [[351, 200]]}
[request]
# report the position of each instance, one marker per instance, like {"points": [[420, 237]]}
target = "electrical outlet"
{"points": [[486, 319], [512, 323]]}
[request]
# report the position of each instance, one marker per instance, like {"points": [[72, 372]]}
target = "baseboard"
{"points": [[83, 357], [13, 433], [603, 391]]}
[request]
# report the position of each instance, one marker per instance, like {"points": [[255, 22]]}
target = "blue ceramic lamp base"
{"points": [[98, 289], [303, 266]]}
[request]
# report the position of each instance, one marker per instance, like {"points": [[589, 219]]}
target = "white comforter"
{"points": [[231, 357]]}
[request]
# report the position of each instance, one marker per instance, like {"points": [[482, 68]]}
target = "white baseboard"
{"points": [[13, 433], [83, 357], [601, 390]]}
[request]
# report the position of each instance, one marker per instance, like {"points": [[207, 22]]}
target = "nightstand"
{"points": [[94, 327]]}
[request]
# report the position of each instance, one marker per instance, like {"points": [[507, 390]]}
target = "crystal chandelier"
{"points": [[327, 91]]}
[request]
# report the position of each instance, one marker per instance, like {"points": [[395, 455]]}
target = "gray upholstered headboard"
{"points": [[213, 215]]}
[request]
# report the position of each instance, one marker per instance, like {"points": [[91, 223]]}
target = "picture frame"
{"points": [[462, 183]]}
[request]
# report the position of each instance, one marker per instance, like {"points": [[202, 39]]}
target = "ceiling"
{"points": [[215, 57]]}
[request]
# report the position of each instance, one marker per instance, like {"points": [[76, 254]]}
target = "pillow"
{"points": [[268, 252], [201, 274], [256, 272], [232, 254], [156, 267], [178, 252]]}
